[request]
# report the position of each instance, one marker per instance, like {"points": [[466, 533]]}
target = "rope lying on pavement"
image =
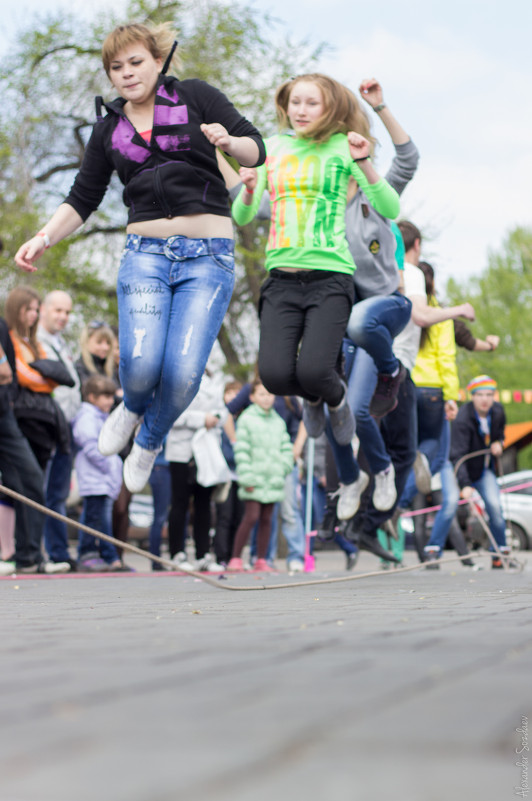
{"points": [[215, 582]]}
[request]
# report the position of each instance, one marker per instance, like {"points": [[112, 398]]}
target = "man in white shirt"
{"points": [[54, 314]]}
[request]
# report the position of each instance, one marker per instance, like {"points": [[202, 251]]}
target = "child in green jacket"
{"points": [[263, 454]]}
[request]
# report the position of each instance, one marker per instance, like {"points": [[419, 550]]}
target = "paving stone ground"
{"points": [[159, 687]]}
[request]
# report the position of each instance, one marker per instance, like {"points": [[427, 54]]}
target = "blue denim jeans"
{"points": [[398, 429], [488, 490], [161, 490], [97, 514], [291, 520], [360, 389], [57, 483], [445, 515], [172, 297], [375, 322], [436, 450]]}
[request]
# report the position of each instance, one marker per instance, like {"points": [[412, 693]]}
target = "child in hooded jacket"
{"points": [[264, 457], [99, 477]]}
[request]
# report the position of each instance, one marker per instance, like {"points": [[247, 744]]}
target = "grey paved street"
{"points": [[159, 687]]}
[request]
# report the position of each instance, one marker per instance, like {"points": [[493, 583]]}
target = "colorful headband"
{"points": [[481, 382]]}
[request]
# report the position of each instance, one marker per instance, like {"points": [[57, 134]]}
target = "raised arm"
{"points": [[371, 91], [406, 159]]}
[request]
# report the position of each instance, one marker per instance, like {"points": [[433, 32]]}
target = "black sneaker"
{"points": [[432, 557], [351, 559], [369, 542], [384, 398], [327, 528], [497, 562]]}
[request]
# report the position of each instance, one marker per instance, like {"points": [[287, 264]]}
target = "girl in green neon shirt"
{"points": [[306, 300]]}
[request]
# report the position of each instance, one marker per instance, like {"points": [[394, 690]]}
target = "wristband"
{"points": [[379, 107], [249, 191], [363, 158], [45, 237], [3, 360]]}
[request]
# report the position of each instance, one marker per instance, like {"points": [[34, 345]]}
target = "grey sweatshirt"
{"points": [[371, 239]]}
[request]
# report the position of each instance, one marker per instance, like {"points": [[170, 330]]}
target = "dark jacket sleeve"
{"points": [[218, 108], [463, 336], [7, 391], [241, 401], [461, 445], [498, 422], [92, 180]]}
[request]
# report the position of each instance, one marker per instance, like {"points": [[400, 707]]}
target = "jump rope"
{"points": [[223, 585]]}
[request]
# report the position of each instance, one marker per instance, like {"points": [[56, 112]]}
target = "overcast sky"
{"points": [[457, 75]]}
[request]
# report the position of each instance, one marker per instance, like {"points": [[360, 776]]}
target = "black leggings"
{"points": [[303, 318], [182, 490], [254, 512]]}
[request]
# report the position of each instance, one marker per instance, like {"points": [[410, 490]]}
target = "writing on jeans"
{"points": [[149, 309], [127, 289]]}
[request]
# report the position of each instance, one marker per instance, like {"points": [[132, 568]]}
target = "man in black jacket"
{"points": [[479, 425]]}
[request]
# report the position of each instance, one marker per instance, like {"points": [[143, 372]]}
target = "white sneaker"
{"points": [[180, 561], [349, 497], [138, 467], [385, 494], [117, 430], [7, 568], [56, 567], [295, 566], [208, 564], [422, 473]]}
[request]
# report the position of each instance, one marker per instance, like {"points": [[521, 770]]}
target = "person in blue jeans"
{"points": [[177, 270], [99, 477], [161, 490], [478, 426], [323, 516]]}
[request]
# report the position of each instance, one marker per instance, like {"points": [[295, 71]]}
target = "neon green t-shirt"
{"points": [[307, 184]]}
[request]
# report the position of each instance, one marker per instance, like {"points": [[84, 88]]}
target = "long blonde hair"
{"points": [[342, 113], [99, 331], [157, 39], [18, 299]]}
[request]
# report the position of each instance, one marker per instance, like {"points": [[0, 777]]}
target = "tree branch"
{"points": [[74, 165], [79, 50], [227, 347]]}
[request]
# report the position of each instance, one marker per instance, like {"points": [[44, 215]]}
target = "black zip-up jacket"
{"points": [[466, 437], [7, 391], [176, 173]]}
